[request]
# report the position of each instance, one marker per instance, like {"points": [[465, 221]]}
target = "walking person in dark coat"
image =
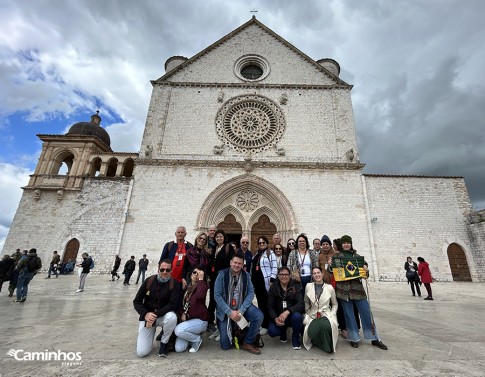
{"points": [[114, 271], [142, 268], [128, 271], [412, 275], [7, 265]]}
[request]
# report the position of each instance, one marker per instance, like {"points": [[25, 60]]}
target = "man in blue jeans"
{"points": [[234, 293]]}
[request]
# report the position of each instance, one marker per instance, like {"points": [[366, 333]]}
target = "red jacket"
{"points": [[425, 272]]}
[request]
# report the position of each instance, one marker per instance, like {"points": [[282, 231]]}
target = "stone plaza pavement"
{"points": [[444, 337]]}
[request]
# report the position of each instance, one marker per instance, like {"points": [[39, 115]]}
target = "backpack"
{"points": [[91, 266], [33, 264]]}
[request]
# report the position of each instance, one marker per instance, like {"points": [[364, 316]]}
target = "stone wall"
{"points": [[95, 216], [418, 216]]}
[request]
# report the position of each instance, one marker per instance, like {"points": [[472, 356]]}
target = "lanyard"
{"points": [[301, 260]]}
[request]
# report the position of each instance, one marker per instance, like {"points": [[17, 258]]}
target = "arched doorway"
{"points": [[71, 251], [232, 228], [263, 227], [458, 264]]}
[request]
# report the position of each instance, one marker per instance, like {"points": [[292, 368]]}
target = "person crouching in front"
{"points": [[156, 301]]}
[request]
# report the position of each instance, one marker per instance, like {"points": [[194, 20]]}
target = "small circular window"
{"points": [[251, 68], [252, 72]]}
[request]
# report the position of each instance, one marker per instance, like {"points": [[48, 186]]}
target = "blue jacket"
{"points": [[221, 293]]}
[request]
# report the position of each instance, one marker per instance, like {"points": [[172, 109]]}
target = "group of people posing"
{"points": [[293, 285]]}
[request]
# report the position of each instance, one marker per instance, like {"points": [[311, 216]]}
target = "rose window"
{"points": [[247, 200], [250, 123]]}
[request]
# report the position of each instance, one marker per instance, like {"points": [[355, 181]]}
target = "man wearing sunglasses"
{"points": [[156, 302]]}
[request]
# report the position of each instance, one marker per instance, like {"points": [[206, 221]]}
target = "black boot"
{"points": [[163, 351]]}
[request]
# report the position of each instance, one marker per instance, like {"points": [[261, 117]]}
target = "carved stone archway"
{"points": [[247, 198]]}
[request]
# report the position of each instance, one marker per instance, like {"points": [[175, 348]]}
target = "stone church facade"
{"points": [[256, 137]]}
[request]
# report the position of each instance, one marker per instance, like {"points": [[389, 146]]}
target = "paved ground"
{"points": [[445, 337]]}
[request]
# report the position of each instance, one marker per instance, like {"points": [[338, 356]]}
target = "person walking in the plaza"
{"points": [[176, 251], [426, 277], [7, 265], [142, 268], [350, 292], [53, 266], [412, 275], [116, 266], [234, 294], [128, 270], [321, 327], [86, 268], [285, 306], [27, 269], [194, 315], [157, 302]]}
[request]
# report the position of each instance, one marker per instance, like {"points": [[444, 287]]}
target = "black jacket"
{"points": [[293, 298], [157, 298]]}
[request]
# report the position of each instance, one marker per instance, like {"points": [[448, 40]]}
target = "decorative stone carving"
{"points": [[37, 194], [283, 99], [247, 200], [220, 97], [60, 195], [250, 123], [280, 151], [148, 151], [248, 165], [218, 149], [350, 155]]}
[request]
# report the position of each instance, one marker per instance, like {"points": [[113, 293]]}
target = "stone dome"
{"points": [[92, 128]]}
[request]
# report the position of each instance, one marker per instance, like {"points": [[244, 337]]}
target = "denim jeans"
{"points": [[253, 315], [294, 320], [189, 332], [144, 342], [304, 281], [53, 270], [370, 331], [23, 284], [142, 273]]}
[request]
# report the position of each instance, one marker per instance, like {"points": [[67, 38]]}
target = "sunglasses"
{"points": [[283, 275], [194, 272], [291, 243], [202, 238], [278, 249], [245, 242], [262, 243], [165, 269]]}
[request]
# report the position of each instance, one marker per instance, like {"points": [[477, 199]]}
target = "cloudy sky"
{"points": [[416, 67]]}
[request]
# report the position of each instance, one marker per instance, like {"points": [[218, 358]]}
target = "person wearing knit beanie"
{"points": [[326, 239], [346, 239]]}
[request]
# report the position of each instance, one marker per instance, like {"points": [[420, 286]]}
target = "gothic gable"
{"points": [[252, 45]]}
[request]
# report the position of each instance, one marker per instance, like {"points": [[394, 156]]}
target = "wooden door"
{"points": [[71, 251], [264, 227], [232, 229], [458, 264]]}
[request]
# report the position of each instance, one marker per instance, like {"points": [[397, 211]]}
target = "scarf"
{"points": [[198, 257]]}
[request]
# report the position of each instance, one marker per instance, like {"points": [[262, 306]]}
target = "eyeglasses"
{"points": [[262, 243], [284, 275], [202, 238], [165, 269], [245, 242]]}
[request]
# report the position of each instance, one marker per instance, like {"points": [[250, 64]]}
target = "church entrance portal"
{"points": [[264, 227], [458, 264]]}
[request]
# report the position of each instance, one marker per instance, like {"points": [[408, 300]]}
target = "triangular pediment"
{"points": [[218, 63]]}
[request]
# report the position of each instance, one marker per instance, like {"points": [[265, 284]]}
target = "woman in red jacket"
{"points": [[194, 314], [426, 278]]}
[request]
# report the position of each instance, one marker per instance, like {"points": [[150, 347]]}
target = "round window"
{"points": [[252, 72], [251, 68]]}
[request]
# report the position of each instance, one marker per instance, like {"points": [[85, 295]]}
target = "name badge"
{"points": [[181, 256], [319, 314], [257, 268], [233, 302], [284, 305]]}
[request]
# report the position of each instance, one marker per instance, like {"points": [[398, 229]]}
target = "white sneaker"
{"points": [[217, 338], [263, 331], [79, 290], [195, 346]]}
